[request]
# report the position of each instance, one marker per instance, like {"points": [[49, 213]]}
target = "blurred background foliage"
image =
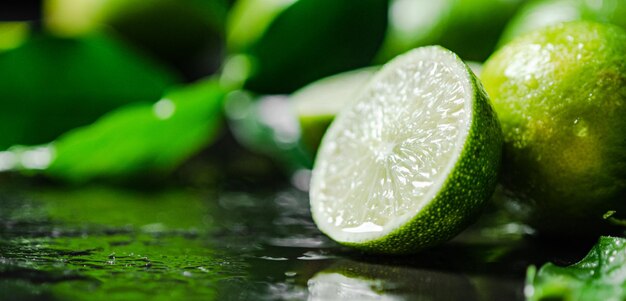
{"points": [[96, 89]]}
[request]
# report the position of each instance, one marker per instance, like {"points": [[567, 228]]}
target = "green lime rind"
{"points": [[560, 94]]}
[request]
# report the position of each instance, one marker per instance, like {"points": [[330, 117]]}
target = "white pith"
{"points": [[372, 173]]}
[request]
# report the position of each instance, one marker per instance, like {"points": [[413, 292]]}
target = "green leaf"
{"points": [[51, 85], [146, 139], [288, 44], [601, 275]]}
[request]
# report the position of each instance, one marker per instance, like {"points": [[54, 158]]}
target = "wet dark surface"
{"points": [[235, 242]]}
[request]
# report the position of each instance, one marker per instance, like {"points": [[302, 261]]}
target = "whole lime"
{"points": [[560, 94]]}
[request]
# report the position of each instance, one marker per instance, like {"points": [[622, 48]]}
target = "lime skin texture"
{"points": [[560, 94]]}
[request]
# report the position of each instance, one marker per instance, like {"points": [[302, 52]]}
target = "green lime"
{"points": [[540, 13], [280, 46], [470, 28], [412, 160], [560, 94], [50, 85], [317, 104]]}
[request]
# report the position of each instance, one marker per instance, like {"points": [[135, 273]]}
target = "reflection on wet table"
{"points": [[103, 243]]}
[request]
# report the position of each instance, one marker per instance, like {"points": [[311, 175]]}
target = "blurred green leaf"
{"points": [[151, 139], [470, 28], [474, 26], [601, 276], [187, 34], [287, 44], [51, 85]]}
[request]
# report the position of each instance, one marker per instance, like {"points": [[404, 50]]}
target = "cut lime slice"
{"points": [[317, 104], [412, 160]]}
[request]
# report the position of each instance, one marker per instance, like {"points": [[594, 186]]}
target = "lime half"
{"points": [[412, 160]]}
